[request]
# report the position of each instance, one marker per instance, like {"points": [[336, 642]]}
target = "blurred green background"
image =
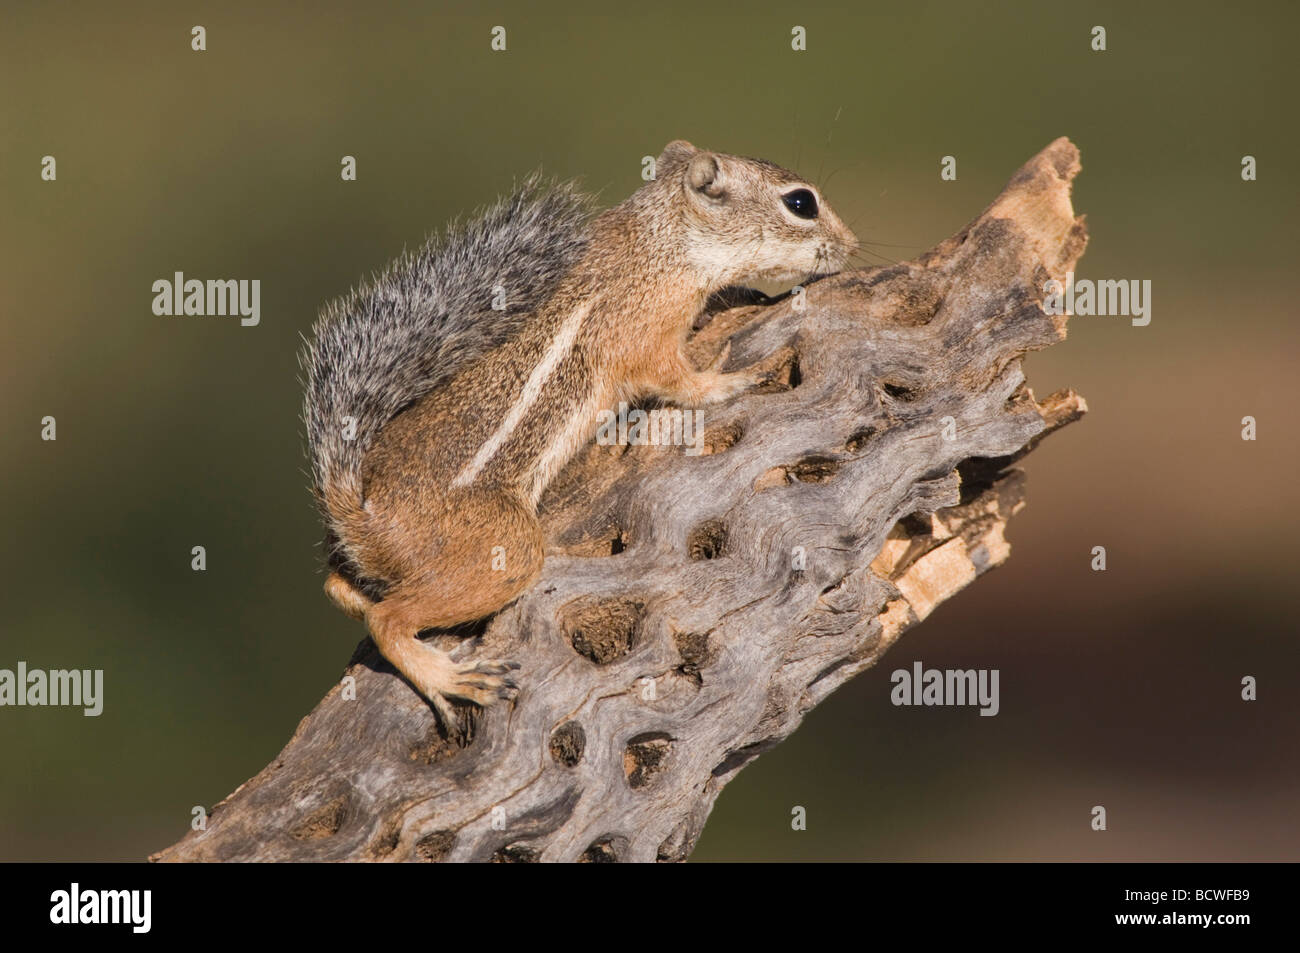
{"points": [[1118, 688]]}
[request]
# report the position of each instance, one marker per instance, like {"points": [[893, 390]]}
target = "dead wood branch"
{"points": [[694, 608]]}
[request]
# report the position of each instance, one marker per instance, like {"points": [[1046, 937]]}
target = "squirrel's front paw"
{"points": [[712, 386], [715, 388], [774, 372]]}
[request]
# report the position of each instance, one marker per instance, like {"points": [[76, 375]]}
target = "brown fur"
{"points": [[432, 520]]}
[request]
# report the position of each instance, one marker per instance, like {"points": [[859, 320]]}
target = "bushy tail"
{"points": [[391, 341]]}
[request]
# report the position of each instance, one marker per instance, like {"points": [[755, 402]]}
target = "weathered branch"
{"points": [[832, 510]]}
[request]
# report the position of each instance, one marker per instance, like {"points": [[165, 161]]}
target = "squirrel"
{"points": [[435, 421]]}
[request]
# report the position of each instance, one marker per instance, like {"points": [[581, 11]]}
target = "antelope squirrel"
{"points": [[435, 422]]}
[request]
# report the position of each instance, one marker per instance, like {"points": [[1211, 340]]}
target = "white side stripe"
{"points": [[557, 352]]}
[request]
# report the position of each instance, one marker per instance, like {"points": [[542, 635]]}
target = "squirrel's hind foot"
{"points": [[481, 682], [434, 673]]}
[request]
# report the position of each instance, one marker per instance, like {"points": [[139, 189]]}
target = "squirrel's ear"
{"points": [[675, 153], [704, 175]]}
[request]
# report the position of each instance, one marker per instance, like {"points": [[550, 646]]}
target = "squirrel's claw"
{"points": [[481, 682], [494, 667]]}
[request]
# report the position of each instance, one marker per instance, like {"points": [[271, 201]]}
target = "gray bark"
{"points": [[867, 481]]}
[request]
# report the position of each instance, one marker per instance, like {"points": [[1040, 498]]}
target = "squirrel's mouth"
{"points": [[828, 261], [825, 259]]}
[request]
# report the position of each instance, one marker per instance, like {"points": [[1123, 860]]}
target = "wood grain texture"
{"points": [[835, 507]]}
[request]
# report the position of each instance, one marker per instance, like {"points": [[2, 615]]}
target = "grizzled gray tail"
{"points": [[393, 340]]}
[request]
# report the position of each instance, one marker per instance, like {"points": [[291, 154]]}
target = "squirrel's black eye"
{"points": [[802, 202]]}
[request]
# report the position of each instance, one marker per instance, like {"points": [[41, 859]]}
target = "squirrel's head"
{"points": [[748, 220]]}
